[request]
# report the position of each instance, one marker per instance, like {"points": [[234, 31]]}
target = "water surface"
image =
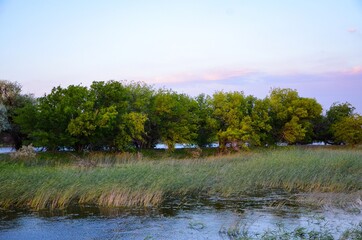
{"points": [[210, 218]]}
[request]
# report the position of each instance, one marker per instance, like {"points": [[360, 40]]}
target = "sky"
{"points": [[190, 46]]}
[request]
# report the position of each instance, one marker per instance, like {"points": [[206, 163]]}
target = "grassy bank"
{"points": [[111, 180]]}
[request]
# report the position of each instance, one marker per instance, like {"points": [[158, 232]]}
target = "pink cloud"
{"points": [[225, 74], [352, 30], [210, 75], [353, 71]]}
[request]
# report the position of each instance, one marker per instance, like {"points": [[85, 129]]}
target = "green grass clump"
{"points": [[133, 180]]}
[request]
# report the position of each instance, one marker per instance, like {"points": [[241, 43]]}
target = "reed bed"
{"points": [[116, 180]]}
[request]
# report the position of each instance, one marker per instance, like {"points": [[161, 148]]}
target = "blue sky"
{"points": [[193, 46]]}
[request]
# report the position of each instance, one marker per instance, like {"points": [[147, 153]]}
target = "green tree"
{"points": [[261, 121], [241, 121], [55, 119], [131, 102], [90, 121], [292, 116], [174, 118], [323, 124], [338, 111], [54, 112], [109, 114], [140, 104], [27, 120], [348, 130], [4, 120], [334, 114], [207, 130], [11, 99], [132, 131]]}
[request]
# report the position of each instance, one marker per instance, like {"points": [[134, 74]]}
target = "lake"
{"points": [[197, 218]]}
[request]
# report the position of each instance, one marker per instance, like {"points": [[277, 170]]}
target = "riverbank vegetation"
{"points": [[133, 180], [129, 116]]}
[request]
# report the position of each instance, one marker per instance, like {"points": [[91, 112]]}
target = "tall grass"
{"points": [[112, 180]]}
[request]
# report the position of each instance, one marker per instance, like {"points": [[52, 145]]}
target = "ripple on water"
{"points": [[202, 218]]}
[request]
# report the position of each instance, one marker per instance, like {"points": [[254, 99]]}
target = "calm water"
{"points": [[176, 219]]}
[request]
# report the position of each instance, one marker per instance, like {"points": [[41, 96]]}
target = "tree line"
{"points": [[125, 116]]}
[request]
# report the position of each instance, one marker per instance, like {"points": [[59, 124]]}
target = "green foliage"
{"points": [[141, 96], [132, 130], [292, 116], [109, 114], [124, 116], [207, 126], [52, 115], [348, 130], [338, 111], [111, 93], [4, 120], [240, 120], [293, 131], [126, 108], [174, 118], [86, 124], [324, 126], [11, 100]]}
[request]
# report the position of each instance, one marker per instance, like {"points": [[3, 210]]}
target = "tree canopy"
{"points": [[125, 116], [11, 99], [292, 116]]}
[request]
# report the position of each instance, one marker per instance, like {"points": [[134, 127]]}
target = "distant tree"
{"points": [[140, 105], [107, 115], [88, 123], [132, 104], [348, 130], [132, 131], [323, 125], [52, 115], [241, 121], [207, 130], [140, 95], [292, 116], [174, 118], [12, 99], [321, 130], [261, 120], [129, 115], [10, 92], [4, 120], [338, 111]]}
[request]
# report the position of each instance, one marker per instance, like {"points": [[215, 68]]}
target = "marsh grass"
{"points": [[239, 231], [351, 202], [134, 180]]}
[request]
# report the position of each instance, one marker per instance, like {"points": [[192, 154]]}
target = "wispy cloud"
{"points": [[225, 74], [207, 75], [352, 30], [355, 70]]}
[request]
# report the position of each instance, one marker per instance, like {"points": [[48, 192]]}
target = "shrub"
{"points": [[24, 152]]}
